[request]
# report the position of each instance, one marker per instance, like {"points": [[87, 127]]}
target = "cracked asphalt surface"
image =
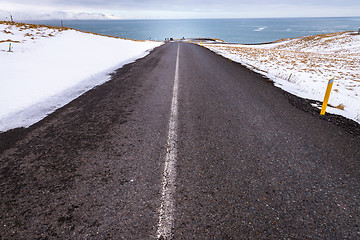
{"points": [[253, 161]]}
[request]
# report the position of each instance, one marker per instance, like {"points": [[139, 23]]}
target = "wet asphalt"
{"points": [[251, 163]]}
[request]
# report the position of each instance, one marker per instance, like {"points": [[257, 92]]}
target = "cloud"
{"points": [[188, 8]]}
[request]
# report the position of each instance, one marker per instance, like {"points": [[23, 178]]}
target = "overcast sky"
{"points": [[143, 9]]}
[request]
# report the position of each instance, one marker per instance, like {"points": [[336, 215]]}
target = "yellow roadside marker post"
{"points": [[327, 95]]}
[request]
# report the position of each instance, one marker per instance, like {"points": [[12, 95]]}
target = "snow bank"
{"points": [[48, 67], [303, 66]]}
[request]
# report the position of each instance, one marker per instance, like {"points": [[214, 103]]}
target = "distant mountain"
{"points": [[17, 15]]}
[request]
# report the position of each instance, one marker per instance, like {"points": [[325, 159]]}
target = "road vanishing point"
{"points": [[182, 144]]}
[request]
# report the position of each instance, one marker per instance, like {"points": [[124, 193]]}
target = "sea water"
{"points": [[230, 30]]}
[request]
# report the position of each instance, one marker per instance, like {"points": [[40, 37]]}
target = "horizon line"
{"points": [[220, 18]]}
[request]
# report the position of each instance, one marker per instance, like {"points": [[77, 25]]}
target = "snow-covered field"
{"points": [[48, 67], [303, 66]]}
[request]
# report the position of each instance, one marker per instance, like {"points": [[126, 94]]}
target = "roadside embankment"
{"points": [[43, 68], [303, 66]]}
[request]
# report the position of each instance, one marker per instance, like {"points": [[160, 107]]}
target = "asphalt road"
{"points": [[245, 160]]}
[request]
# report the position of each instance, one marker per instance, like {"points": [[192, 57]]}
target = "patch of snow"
{"points": [[47, 68]]}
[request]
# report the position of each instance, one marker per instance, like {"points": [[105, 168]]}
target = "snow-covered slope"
{"points": [[304, 65], [48, 67]]}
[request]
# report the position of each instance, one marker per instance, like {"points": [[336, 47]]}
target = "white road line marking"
{"points": [[166, 211]]}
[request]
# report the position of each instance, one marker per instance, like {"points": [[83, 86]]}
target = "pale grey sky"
{"points": [[139, 9]]}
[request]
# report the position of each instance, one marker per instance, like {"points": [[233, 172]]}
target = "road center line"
{"points": [[166, 211]]}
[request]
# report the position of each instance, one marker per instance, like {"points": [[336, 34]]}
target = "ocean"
{"points": [[245, 31]]}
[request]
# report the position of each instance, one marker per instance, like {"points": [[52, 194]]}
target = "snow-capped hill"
{"points": [[339, 43], [75, 16], [62, 15]]}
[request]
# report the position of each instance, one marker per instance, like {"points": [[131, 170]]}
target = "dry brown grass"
{"points": [[322, 41], [24, 26], [340, 106], [9, 41]]}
